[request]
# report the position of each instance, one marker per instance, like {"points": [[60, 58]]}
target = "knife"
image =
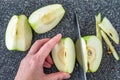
{"points": [[79, 48]]}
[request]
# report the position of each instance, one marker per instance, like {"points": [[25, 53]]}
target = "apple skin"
{"points": [[18, 33], [63, 55], [46, 18], [108, 28]]}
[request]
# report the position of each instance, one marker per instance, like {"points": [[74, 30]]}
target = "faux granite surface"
{"points": [[86, 9]]}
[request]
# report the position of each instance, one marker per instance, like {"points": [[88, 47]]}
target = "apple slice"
{"points": [[46, 18], [107, 27], [98, 20], [81, 56], [18, 33], [63, 55], [110, 45]]}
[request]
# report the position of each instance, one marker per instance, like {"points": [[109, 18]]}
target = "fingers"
{"points": [[47, 65], [37, 45], [58, 76], [47, 47], [48, 62], [49, 59]]}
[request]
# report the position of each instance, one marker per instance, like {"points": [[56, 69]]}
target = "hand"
{"points": [[31, 67]]}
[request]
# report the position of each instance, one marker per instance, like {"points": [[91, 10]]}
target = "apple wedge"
{"points": [[108, 28], [63, 55], [92, 52], [81, 56], [46, 18], [110, 45], [98, 20], [18, 33]]}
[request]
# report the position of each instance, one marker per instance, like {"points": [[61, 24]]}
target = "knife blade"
{"points": [[79, 49]]}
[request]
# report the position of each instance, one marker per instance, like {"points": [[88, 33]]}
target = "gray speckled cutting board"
{"points": [[87, 9]]}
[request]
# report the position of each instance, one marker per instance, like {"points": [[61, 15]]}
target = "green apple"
{"points": [[46, 18], [98, 20], [92, 53], [80, 56], [108, 28], [110, 45], [18, 33], [63, 55]]}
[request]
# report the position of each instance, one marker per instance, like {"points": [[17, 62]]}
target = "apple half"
{"points": [[92, 52], [63, 55], [46, 18], [18, 33], [108, 28], [110, 45]]}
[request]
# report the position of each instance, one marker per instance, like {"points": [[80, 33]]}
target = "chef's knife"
{"points": [[79, 48]]}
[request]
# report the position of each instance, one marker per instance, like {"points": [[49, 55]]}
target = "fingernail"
{"points": [[59, 35]]}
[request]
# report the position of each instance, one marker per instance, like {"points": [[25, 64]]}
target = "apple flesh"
{"points": [[81, 53], [63, 55], [92, 52], [18, 33], [110, 45], [46, 18], [108, 28], [98, 20]]}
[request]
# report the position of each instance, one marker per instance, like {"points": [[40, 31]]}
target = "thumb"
{"points": [[58, 76]]}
